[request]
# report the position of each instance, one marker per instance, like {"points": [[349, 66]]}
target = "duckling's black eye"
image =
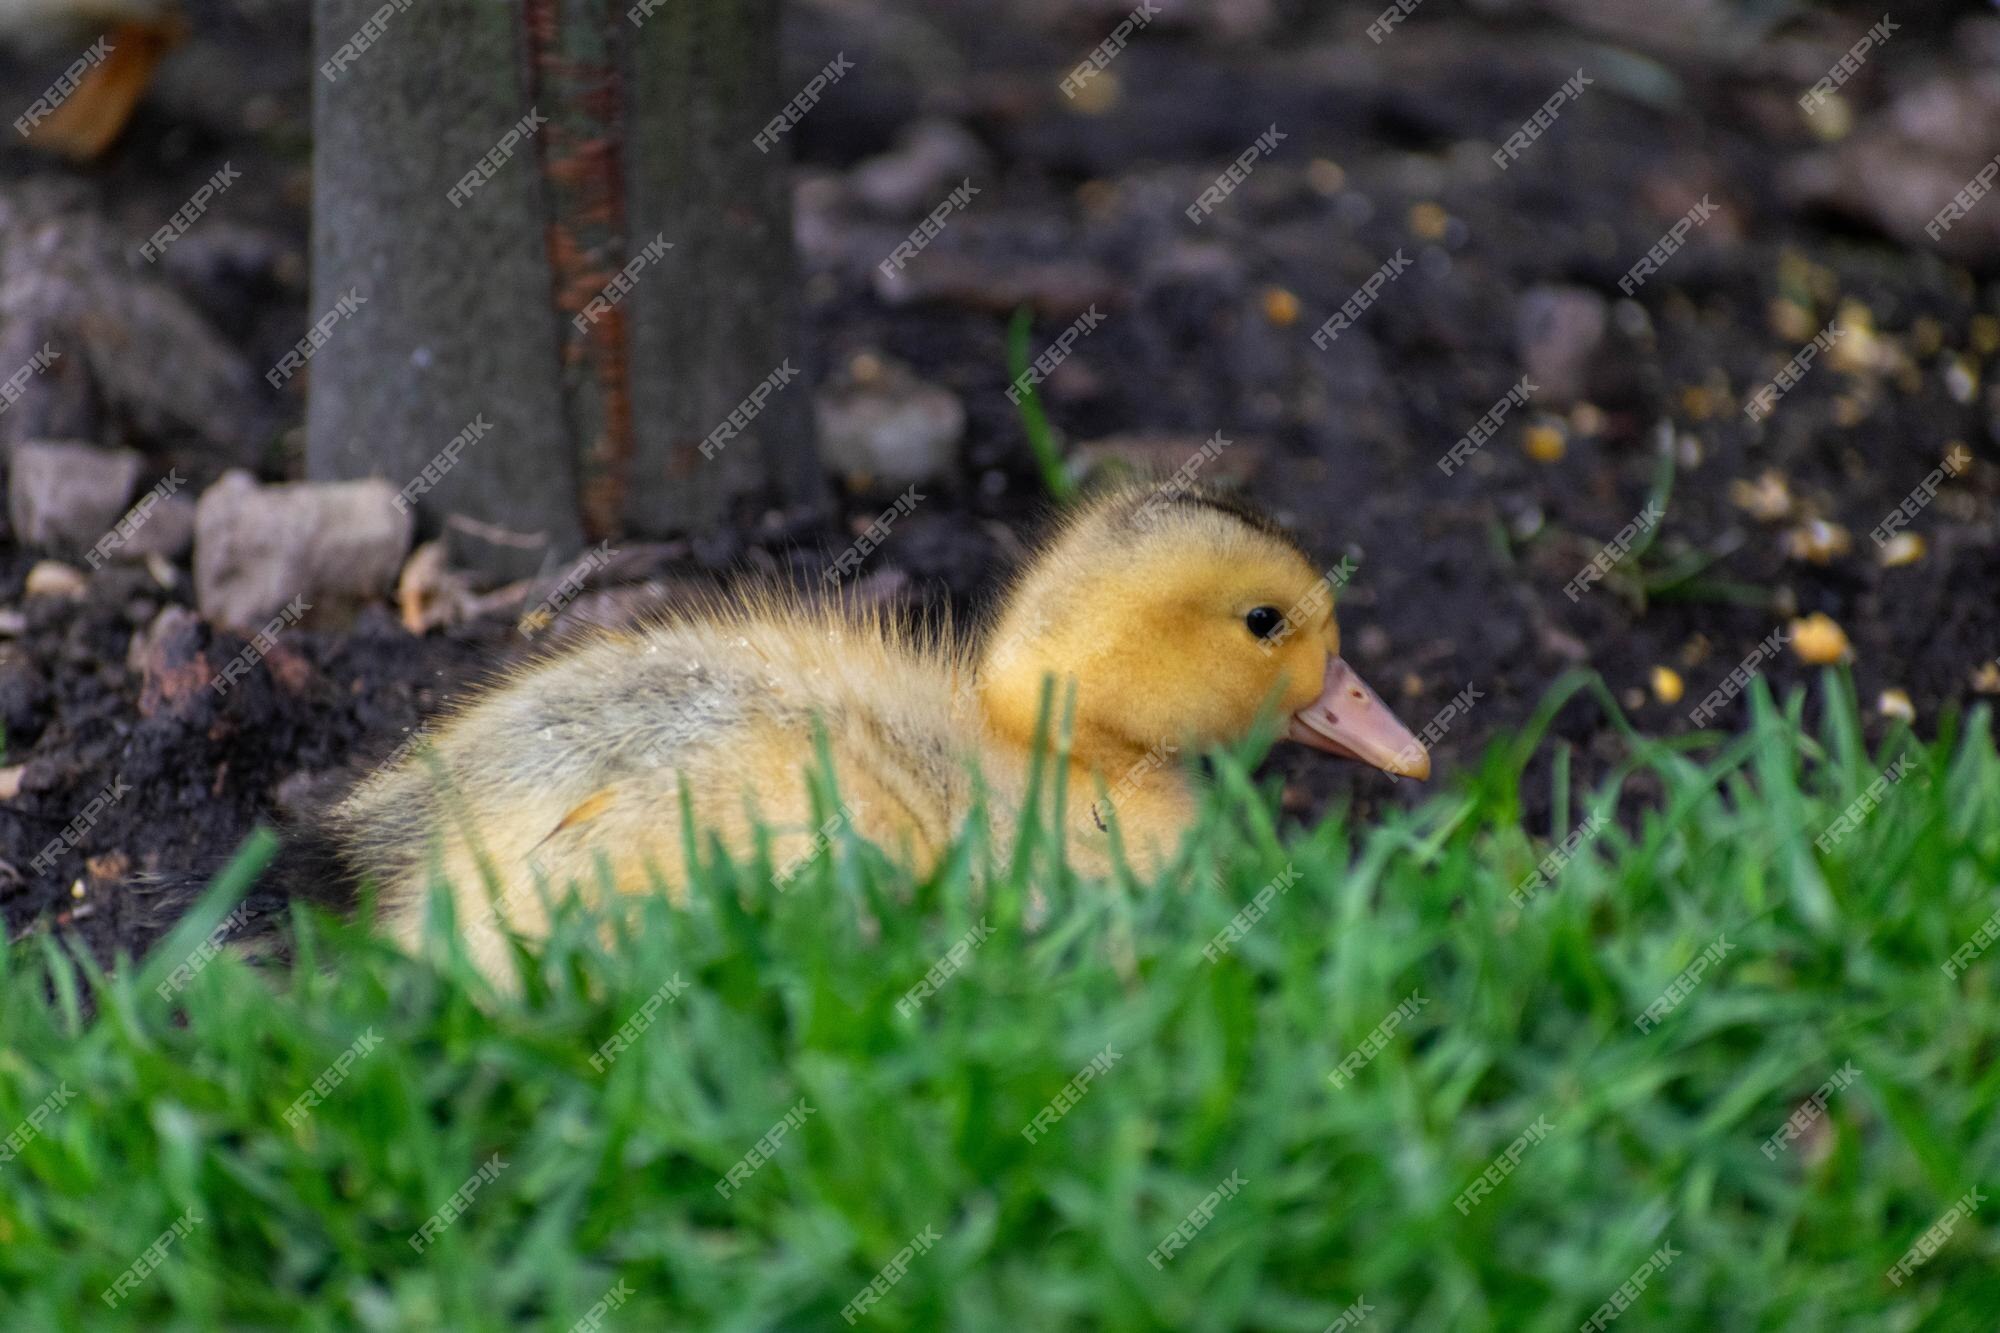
{"points": [[1263, 621]]}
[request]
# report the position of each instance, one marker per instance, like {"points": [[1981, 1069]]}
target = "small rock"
{"points": [[929, 158], [1818, 640], [10, 781], [1818, 542], [1768, 499], [259, 547], [889, 426], [1687, 450], [1910, 160], [68, 494], [1961, 379], [1281, 307], [166, 532], [134, 352], [1098, 96], [1326, 176], [52, 578], [1557, 330], [1428, 221], [1545, 442], [171, 658]]}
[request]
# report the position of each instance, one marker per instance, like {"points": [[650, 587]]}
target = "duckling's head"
{"points": [[1182, 617]]}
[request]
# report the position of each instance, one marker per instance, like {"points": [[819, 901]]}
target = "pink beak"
{"points": [[1349, 719]]}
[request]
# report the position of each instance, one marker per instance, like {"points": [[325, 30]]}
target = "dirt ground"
{"points": [[1386, 151]]}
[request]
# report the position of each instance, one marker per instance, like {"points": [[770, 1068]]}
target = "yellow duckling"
{"points": [[111, 47], [1177, 619]]}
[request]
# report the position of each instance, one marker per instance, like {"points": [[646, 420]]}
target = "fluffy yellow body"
{"points": [[572, 771]]}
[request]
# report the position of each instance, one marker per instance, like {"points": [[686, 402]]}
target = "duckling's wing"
{"points": [[499, 777]]}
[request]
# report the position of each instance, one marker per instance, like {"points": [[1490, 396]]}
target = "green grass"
{"points": [[1222, 1067], [1034, 421]]}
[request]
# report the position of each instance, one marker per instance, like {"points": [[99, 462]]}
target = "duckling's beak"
{"points": [[1350, 719]]}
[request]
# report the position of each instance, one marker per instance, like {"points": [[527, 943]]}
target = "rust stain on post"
{"points": [[573, 73]]}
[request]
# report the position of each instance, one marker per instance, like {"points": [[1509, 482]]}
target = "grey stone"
{"points": [[68, 494], [1558, 329], [258, 547], [886, 425]]}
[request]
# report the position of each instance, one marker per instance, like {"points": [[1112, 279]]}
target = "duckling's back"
{"points": [[572, 771]]}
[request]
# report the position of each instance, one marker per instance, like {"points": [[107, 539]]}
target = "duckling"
{"points": [[112, 46], [1178, 619]]}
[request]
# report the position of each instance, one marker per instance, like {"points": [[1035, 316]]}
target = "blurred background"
{"points": [[950, 191]]}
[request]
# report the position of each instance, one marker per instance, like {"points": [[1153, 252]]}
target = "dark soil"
{"points": [[1386, 149]]}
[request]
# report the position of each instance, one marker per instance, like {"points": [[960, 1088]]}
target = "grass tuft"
{"points": [[1056, 479], [624, 1082]]}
